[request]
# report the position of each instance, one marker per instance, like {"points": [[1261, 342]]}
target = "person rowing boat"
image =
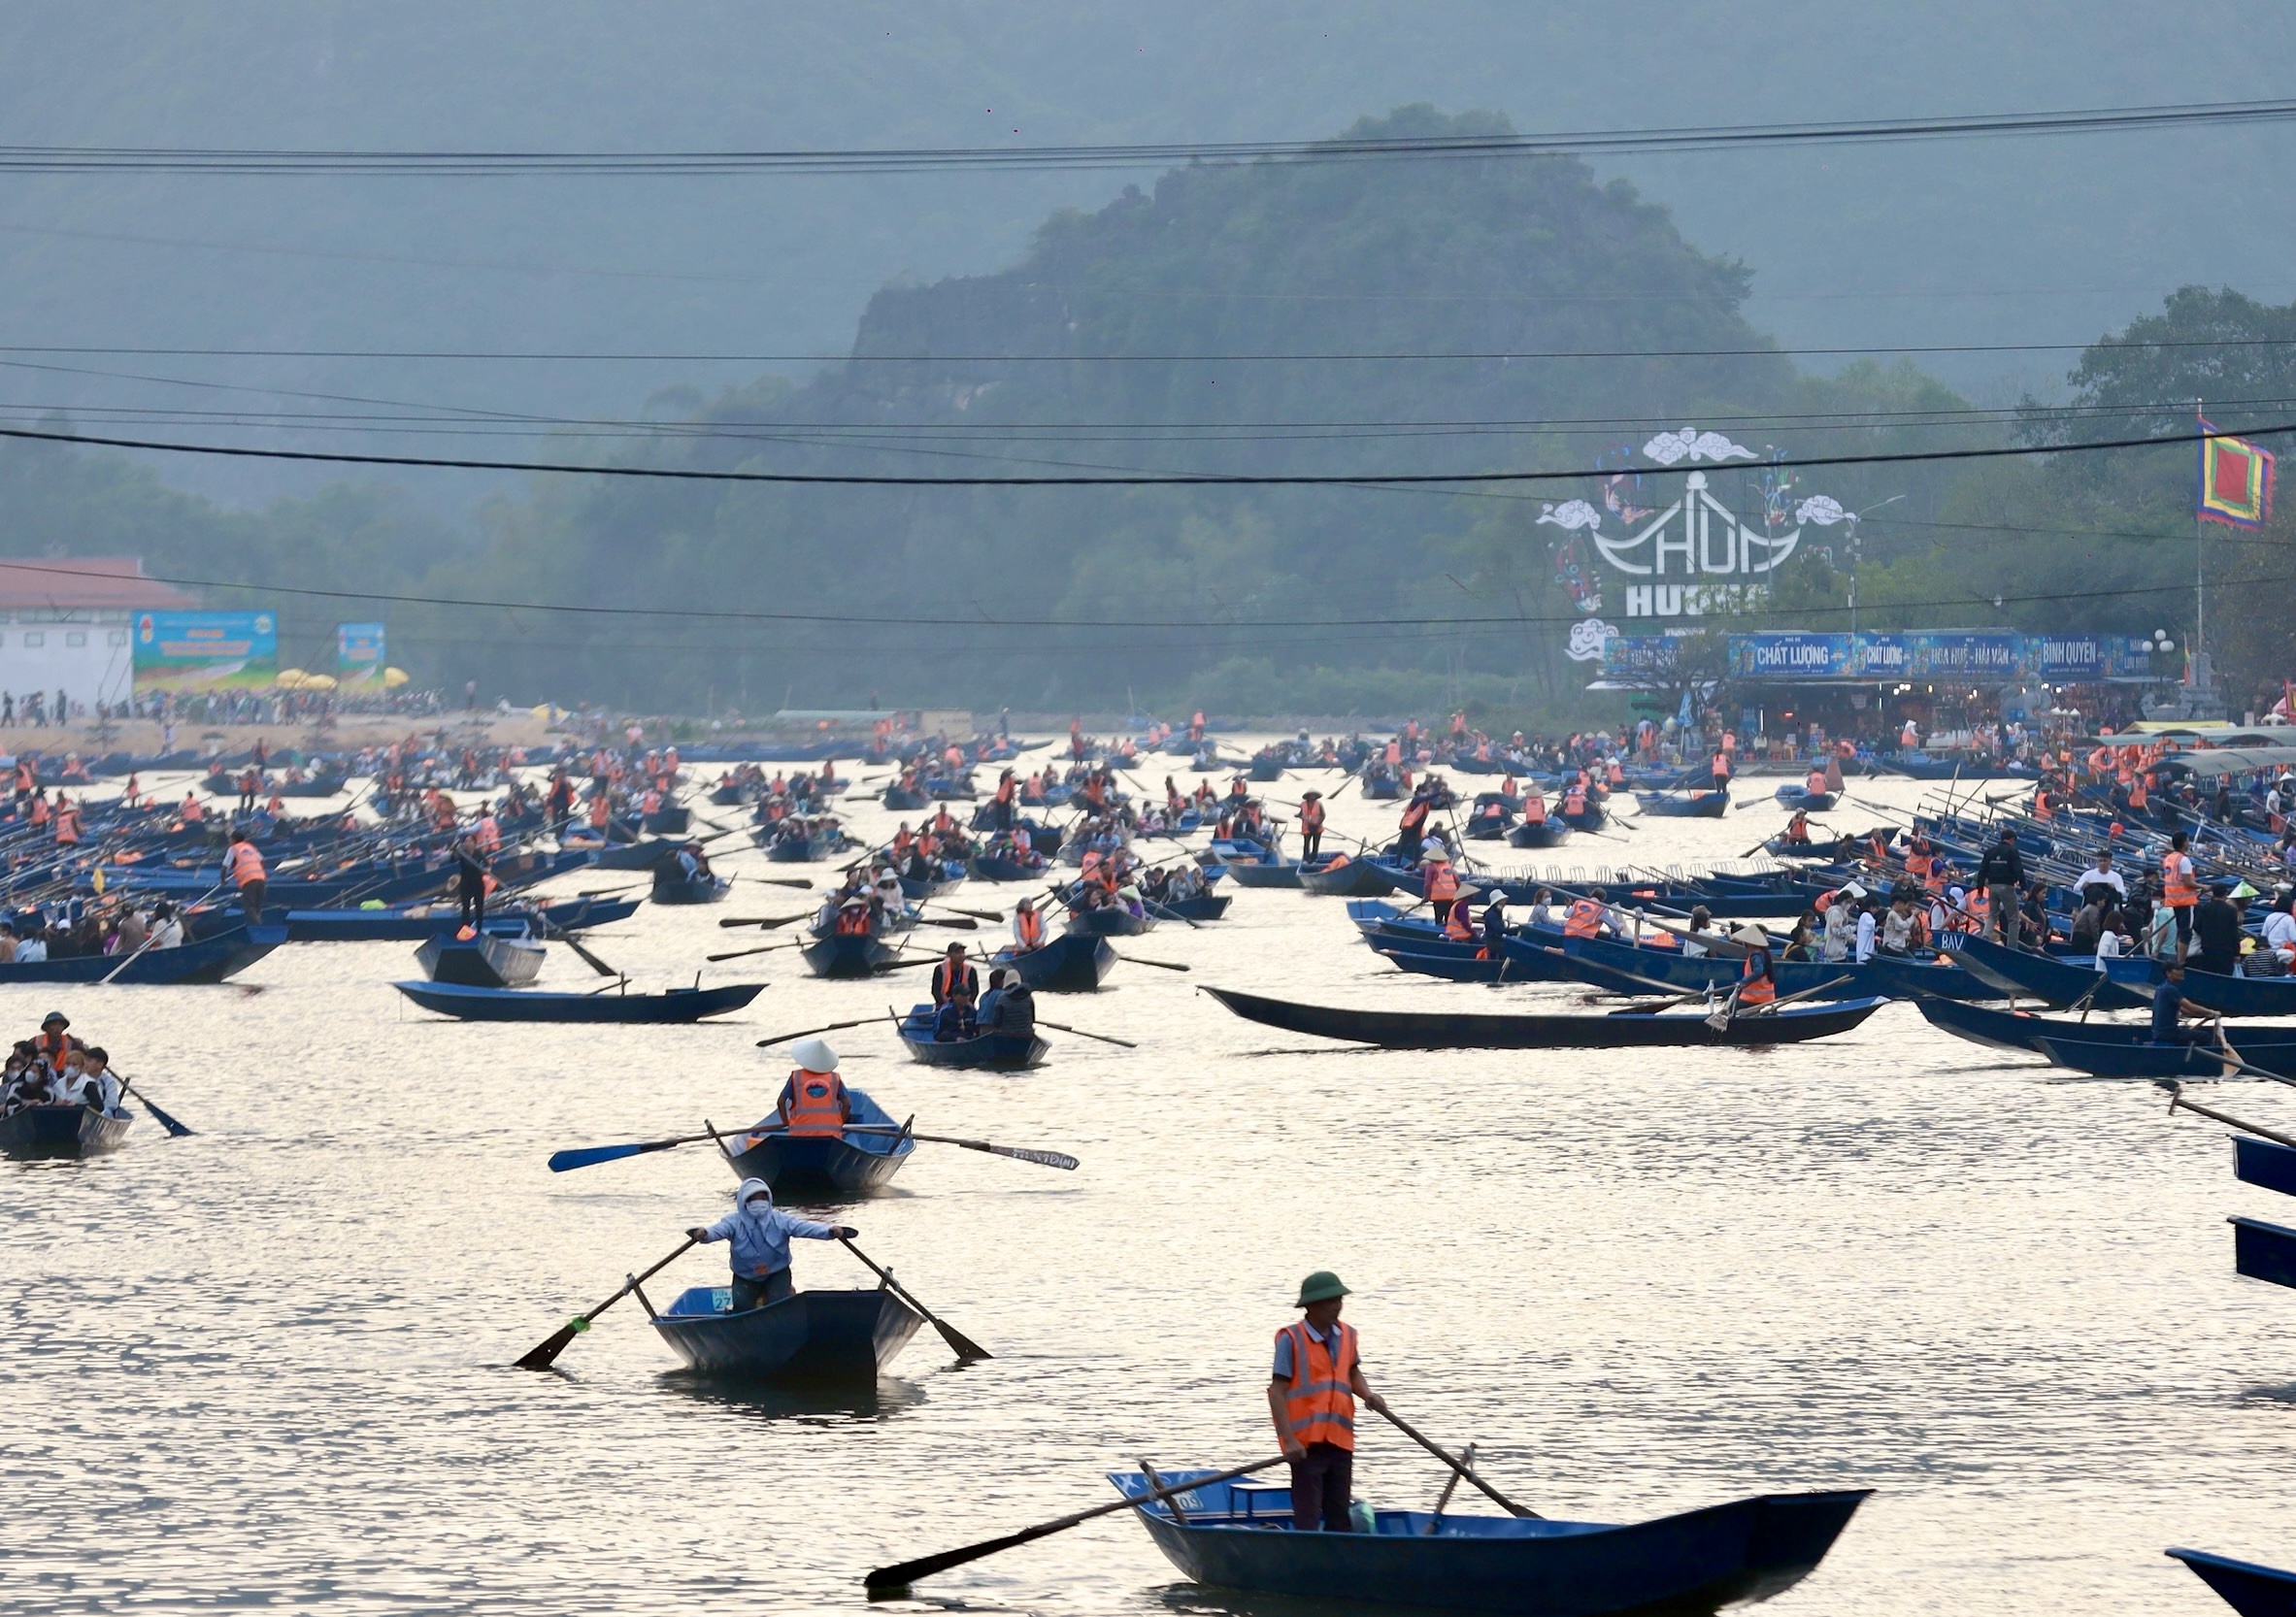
{"points": [[1311, 1394], [757, 1235]]}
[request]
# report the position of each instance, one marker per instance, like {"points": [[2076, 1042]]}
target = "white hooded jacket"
{"points": [[761, 1240]]}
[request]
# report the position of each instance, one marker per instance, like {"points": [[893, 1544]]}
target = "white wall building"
{"points": [[64, 626]]}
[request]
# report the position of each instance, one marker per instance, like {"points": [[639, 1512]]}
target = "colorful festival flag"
{"points": [[2234, 482]]}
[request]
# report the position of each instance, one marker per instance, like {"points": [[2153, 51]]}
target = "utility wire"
{"points": [[1124, 480], [502, 164]]}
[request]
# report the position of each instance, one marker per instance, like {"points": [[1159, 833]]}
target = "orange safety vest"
{"points": [[2179, 888], [1583, 919], [1414, 814], [1980, 904], [1311, 816], [67, 827], [1459, 924], [1575, 800], [243, 864], [1817, 781], [1321, 1406], [1030, 928], [1756, 987], [53, 1053], [852, 921], [600, 811], [817, 1103], [1443, 882], [1534, 810], [947, 977]]}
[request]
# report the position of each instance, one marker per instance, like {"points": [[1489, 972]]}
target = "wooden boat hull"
{"points": [[847, 957], [2159, 1061], [1698, 1561], [633, 856], [1547, 832], [63, 1130], [1805, 799], [800, 850], [1451, 968], [1842, 980], [486, 961], [986, 868], [824, 1167], [1203, 906], [216, 958], [2049, 978], [404, 926], [2250, 1589], [1355, 878], [708, 890], [901, 800], [1245, 873], [1436, 1029], [998, 1052], [1697, 806], [1108, 923], [813, 1335], [676, 1006], [2264, 1251], [2265, 1163], [2234, 996], [672, 821], [1073, 963]]}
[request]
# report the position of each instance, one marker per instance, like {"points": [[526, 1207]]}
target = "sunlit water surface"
{"points": [[268, 1365]]}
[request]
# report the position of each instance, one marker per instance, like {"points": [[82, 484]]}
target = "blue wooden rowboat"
{"points": [[2161, 1061], [1201, 906], [670, 820], [529, 1005], [1547, 833], [2272, 1049], [799, 850], [1112, 922], [2234, 996], [672, 887], [633, 856], [1347, 878], [216, 958], [825, 1166], [2263, 1251], [1805, 799], [412, 924], [901, 800], [2264, 1162], [813, 1335], [63, 1130], [918, 889], [1440, 1029], [2057, 981], [1073, 963], [487, 961], [2250, 1589], [1683, 805], [1899, 978], [1001, 1053], [836, 956], [1274, 872], [1451, 968], [985, 866], [1241, 1538]]}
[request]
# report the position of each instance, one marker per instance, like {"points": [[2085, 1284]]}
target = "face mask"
{"points": [[759, 1207]]}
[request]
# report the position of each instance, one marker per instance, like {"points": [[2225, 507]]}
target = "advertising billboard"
{"points": [[204, 651], [358, 653]]}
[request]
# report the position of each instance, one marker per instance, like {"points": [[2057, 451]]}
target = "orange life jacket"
{"points": [[947, 977], [1575, 800], [1443, 882], [1583, 919], [1029, 926], [243, 864], [2180, 887], [1459, 923], [1534, 810], [817, 1103], [1312, 816], [1321, 1406], [852, 921], [1756, 987]]}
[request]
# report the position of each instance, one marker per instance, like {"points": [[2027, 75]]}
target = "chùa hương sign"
{"points": [[1690, 559]]}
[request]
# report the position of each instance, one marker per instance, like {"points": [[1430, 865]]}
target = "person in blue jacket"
{"points": [[758, 1234]]}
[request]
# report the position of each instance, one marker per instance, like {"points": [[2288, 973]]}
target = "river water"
{"points": [[267, 1366]]}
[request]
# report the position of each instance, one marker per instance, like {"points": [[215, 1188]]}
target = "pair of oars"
{"points": [[871, 1021], [888, 1580], [545, 1353], [589, 1156]]}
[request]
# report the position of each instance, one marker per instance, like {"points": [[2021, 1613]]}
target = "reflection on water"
{"points": [[270, 1360]]}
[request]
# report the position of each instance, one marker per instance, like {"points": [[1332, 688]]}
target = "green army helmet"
{"points": [[1319, 1287]]}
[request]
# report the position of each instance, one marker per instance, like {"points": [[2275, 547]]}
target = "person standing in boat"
{"points": [[242, 867], [1318, 1376], [1311, 825], [1757, 982], [953, 977], [1028, 927], [758, 1234]]}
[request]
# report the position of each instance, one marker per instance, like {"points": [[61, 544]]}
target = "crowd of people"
{"points": [[54, 1068]]}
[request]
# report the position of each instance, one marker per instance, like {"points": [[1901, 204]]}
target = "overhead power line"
{"points": [[1121, 478], [508, 164]]}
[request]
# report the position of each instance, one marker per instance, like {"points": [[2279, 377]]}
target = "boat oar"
{"points": [[742, 954], [1044, 1159], [786, 882], [977, 914], [1463, 1471], [808, 1033], [764, 920], [1063, 1027], [545, 1353], [886, 1581], [1159, 965], [175, 1129], [961, 1344], [589, 1156], [552, 929], [2176, 1099], [955, 923]]}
